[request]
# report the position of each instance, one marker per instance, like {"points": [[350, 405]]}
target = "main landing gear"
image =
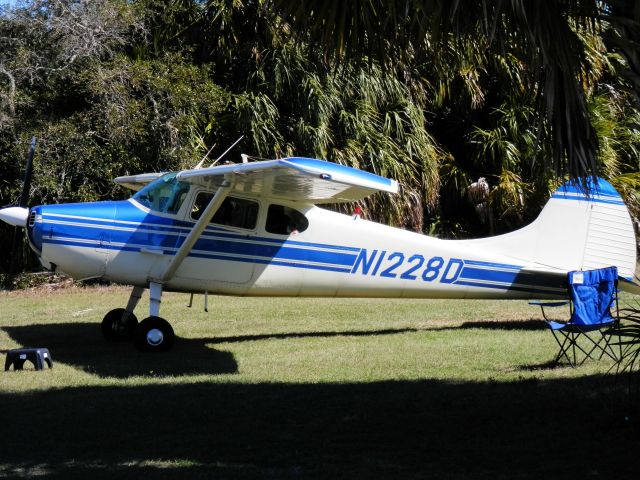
{"points": [[153, 334], [118, 324]]}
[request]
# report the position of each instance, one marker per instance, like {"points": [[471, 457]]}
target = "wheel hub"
{"points": [[155, 337]]}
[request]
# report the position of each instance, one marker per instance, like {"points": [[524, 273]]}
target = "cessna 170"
{"points": [[254, 228]]}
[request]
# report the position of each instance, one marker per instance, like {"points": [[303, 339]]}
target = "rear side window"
{"points": [[234, 212], [285, 220]]}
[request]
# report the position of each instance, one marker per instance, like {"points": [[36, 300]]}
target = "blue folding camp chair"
{"points": [[592, 294]]}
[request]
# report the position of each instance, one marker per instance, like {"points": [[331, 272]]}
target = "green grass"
{"points": [[306, 388]]}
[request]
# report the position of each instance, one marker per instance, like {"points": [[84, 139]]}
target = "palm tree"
{"points": [[539, 34], [287, 101]]}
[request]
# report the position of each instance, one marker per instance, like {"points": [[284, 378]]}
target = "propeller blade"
{"points": [[26, 184]]}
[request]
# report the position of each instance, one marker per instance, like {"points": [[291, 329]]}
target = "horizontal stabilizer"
{"points": [[628, 286]]}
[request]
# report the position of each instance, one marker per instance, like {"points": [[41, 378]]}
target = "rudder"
{"points": [[578, 229], [610, 237]]}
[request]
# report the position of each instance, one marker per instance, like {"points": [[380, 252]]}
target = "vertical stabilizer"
{"points": [[578, 229]]}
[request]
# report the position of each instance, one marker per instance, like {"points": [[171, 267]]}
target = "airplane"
{"points": [[256, 228]]}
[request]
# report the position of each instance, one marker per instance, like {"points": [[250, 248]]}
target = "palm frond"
{"points": [[540, 34]]}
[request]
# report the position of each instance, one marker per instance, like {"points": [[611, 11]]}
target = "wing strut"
{"points": [[155, 284], [198, 228]]}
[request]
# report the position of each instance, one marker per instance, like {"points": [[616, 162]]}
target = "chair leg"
{"points": [[597, 345], [570, 348], [563, 347], [608, 349], [587, 355], [616, 330]]}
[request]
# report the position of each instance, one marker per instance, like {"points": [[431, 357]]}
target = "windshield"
{"points": [[165, 194]]}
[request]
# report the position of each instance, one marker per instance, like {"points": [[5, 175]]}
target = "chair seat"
{"points": [[553, 325]]}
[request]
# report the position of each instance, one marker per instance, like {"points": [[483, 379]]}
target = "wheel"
{"points": [[112, 327], [153, 334]]}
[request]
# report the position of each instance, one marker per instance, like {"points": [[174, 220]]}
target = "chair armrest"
{"points": [[551, 304]]}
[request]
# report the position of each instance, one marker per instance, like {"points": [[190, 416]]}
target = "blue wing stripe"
{"points": [[588, 199]]}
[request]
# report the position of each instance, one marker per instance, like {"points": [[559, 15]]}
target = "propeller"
{"points": [[17, 215], [26, 184]]}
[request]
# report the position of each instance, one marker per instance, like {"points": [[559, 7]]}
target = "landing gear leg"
{"points": [[120, 323], [154, 334]]}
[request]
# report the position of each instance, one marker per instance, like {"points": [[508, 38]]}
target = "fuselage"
{"points": [[254, 228], [324, 254]]}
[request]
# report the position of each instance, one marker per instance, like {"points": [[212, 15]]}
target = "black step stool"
{"points": [[37, 356]]}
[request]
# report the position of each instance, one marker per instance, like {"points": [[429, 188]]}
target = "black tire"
{"points": [[153, 334], [114, 330]]}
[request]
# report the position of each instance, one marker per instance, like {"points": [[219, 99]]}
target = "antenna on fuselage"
{"points": [[226, 151], [199, 165]]}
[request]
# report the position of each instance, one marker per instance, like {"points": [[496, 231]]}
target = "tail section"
{"points": [[610, 238], [577, 230]]}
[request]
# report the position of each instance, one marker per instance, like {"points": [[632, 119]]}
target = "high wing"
{"points": [[136, 182], [295, 178]]}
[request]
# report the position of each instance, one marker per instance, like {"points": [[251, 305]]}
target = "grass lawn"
{"points": [[307, 388]]}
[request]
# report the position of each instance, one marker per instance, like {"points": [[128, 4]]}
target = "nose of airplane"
{"points": [[16, 216]]}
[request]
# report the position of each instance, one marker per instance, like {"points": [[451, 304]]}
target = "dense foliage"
{"points": [[116, 87]]}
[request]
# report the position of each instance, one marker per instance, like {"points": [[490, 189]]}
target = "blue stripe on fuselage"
{"points": [[76, 224], [95, 226], [496, 276]]}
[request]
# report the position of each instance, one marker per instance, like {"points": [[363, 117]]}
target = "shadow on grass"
{"points": [[483, 325], [549, 365], [395, 429], [82, 345], [284, 336], [505, 325]]}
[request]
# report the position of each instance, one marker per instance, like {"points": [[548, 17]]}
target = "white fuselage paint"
{"points": [[385, 262], [337, 255]]}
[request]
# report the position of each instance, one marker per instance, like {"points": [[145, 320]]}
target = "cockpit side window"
{"points": [[283, 220], [165, 195], [234, 212]]}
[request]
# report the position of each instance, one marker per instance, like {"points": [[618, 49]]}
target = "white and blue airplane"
{"points": [[254, 228]]}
